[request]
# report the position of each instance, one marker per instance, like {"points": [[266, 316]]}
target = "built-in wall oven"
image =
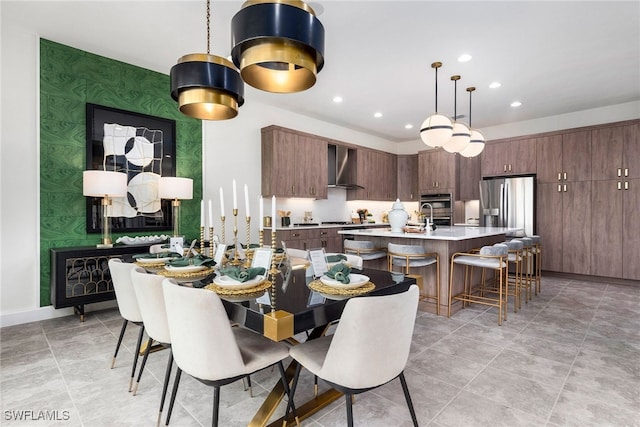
{"points": [[442, 208]]}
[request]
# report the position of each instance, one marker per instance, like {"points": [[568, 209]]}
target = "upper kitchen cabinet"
{"points": [[375, 171], [407, 178], [565, 157], [468, 178], [616, 152], [509, 157], [436, 171], [294, 164]]}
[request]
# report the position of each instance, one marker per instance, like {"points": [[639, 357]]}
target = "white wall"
{"points": [[230, 150]]}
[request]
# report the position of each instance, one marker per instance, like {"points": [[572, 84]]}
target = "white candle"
{"points": [[235, 196], [221, 203], [273, 212], [202, 224], [210, 213], [246, 200], [261, 220]]}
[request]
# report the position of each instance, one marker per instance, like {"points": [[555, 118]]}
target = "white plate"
{"points": [[185, 269], [355, 281], [154, 260], [228, 282]]}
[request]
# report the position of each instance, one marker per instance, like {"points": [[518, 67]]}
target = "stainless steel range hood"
{"points": [[341, 168]]}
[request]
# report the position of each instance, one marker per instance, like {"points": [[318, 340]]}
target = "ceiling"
{"points": [[555, 57]]}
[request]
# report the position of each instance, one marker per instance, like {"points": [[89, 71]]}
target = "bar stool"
{"points": [[364, 249], [408, 256], [516, 258], [489, 258], [528, 266], [537, 253]]}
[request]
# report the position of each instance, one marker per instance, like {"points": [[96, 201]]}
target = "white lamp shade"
{"points": [[436, 130], [171, 187], [98, 183], [476, 145], [459, 139]]}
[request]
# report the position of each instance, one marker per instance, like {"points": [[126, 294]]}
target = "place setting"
{"points": [[337, 282]]}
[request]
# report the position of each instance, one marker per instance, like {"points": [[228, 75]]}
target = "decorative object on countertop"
{"points": [[398, 217], [142, 240], [362, 215]]}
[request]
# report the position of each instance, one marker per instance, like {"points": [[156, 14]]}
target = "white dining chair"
{"points": [[127, 305], [369, 348], [206, 347], [148, 288]]}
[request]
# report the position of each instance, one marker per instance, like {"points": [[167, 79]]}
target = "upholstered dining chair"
{"points": [[206, 347], [369, 348], [148, 288], [364, 249], [127, 305]]}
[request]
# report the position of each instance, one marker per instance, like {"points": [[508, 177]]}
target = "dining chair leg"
{"points": [[287, 390], [349, 410], [248, 377], [216, 405], [135, 356], [125, 322], [165, 386], [407, 396], [144, 362], [176, 382], [294, 384]]}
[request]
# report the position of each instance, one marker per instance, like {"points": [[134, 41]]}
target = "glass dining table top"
{"points": [[309, 308]]}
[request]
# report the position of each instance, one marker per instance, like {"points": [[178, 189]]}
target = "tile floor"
{"points": [[571, 357]]}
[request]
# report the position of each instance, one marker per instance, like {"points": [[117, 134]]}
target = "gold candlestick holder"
{"points": [[247, 260], [224, 238], [211, 251], [261, 238], [236, 260], [274, 271], [202, 240]]}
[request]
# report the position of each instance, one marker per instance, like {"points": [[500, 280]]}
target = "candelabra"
{"points": [[247, 259]]}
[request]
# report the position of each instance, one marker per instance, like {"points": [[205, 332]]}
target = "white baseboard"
{"points": [[45, 313]]}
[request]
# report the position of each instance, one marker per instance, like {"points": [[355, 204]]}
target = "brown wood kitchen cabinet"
{"points": [[564, 158], [294, 164], [436, 171], [509, 157], [468, 178], [615, 201], [407, 177], [308, 238], [376, 172]]}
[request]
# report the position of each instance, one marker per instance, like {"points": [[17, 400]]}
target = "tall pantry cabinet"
{"points": [[616, 201]]}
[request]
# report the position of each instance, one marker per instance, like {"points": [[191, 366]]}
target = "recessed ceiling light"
{"points": [[516, 103], [377, 115], [495, 85], [337, 99], [464, 57], [408, 126]]}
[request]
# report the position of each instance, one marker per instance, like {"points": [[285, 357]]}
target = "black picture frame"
{"points": [[97, 116]]}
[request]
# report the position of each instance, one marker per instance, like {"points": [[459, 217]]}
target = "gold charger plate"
{"points": [[239, 294], [151, 266], [332, 291], [191, 275]]}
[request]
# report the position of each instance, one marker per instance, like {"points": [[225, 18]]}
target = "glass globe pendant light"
{"points": [[461, 134], [476, 144], [436, 129]]}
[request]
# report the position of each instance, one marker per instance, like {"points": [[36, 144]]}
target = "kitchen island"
{"points": [[445, 241]]}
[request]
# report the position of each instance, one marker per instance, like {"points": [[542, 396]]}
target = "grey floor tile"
{"points": [[577, 409], [55, 409], [559, 352], [25, 364], [469, 349], [532, 367], [452, 370]]}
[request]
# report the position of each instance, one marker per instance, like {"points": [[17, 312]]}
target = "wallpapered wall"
{"points": [[69, 78]]}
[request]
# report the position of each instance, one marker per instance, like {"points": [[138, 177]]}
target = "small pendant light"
{"points": [[207, 87], [476, 144], [436, 129], [461, 134], [278, 45]]}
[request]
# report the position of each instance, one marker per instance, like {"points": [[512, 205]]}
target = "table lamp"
{"points": [[105, 184], [176, 189]]}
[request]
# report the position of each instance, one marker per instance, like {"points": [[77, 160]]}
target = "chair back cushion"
{"points": [[201, 338], [148, 288], [125, 295], [372, 341]]}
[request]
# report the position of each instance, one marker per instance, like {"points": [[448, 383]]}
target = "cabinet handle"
{"points": [[305, 245], [504, 168], [559, 188], [619, 172], [619, 185], [564, 175], [323, 233], [559, 176], [626, 185], [295, 235], [564, 188], [626, 172], [509, 168]]}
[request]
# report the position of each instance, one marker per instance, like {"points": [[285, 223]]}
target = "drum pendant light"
{"points": [[436, 129], [207, 87], [476, 144], [461, 134], [278, 45]]}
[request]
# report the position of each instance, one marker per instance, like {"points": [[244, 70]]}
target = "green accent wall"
{"points": [[70, 78]]}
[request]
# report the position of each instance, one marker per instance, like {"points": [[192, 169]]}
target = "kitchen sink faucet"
{"points": [[431, 211]]}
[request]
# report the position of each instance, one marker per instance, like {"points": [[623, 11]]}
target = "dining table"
{"points": [[300, 312]]}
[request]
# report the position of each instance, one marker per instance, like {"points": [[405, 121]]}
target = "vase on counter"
{"points": [[398, 217]]}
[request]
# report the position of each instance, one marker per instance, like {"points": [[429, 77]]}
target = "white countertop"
{"points": [[455, 233], [351, 225]]}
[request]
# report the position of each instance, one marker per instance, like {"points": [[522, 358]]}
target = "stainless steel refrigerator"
{"points": [[508, 202]]}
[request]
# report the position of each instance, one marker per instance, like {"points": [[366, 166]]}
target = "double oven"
{"points": [[442, 208]]}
